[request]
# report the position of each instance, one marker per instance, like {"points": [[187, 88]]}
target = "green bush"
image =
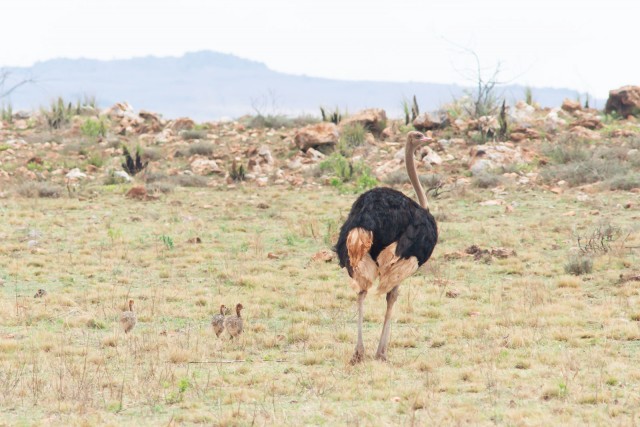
{"points": [[352, 136], [357, 175], [94, 128]]}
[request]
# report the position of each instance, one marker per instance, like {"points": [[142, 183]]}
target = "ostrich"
{"points": [[128, 318], [233, 324], [218, 321], [387, 236]]}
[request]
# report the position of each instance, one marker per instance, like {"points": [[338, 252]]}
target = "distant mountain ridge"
{"points": [[210, 85]]}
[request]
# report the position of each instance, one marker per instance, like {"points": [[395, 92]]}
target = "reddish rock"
{"points": [[427, 121], [317, 135], [571, 106], [625, 101], [183, 123], [373, 119]]}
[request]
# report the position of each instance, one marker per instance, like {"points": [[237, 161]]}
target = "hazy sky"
{"points": [[585, 45]]}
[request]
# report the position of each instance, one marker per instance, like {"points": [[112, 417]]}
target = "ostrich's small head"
{"points": [[131, 304], [415, 139], [238, 308], [223, 309]]}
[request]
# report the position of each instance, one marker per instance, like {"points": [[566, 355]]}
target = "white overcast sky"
{"points": [[585, 45]]}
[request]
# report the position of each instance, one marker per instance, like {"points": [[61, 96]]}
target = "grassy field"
{"points": [[509, 341]]}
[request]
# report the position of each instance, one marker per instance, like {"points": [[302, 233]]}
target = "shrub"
{"points": [[584, 172], [58, 114], [94, 128], [237, 173], [190, 181], [345, 171], [397, 177], [96, 160], [151, 154], [150, 177], [133, 166], [201, 148], [567, 152], [193, 134], [39, 189], [352, 136], [487, 180], [579, 265], [160, 186], [626, 182], [334, 117]]}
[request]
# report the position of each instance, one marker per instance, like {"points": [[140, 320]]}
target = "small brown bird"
{"points": [[217, 321], [128, 318], [41, 293], [233, 324]]}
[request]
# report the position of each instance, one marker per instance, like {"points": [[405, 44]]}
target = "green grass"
{"points": [[522, 343]]}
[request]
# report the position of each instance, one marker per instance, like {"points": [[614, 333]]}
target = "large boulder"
{"points": [[625, 101], [373, 119], [317, 135], [428, 121], [183, 123]]}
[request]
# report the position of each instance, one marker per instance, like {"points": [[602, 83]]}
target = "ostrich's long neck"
{"points": [[413, 176]]}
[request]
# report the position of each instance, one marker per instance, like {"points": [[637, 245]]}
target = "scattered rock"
{"points": [[317, 135], [495, 202], [75, 174], [195, 240], [571, 106], [183, 123], [122, 176], [203, 166], [428, 121], [486, 157], [486, 254], [262, 205], [139, 193], [625, 101], [589, 122], [585, 133], [324, 255], [373, 119]]}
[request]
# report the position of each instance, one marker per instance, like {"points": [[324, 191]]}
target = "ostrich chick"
{"points": [[233, 324], [217, 321], [128, 318]]}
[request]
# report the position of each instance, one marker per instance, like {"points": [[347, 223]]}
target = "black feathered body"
{"points": [[391, 217]]}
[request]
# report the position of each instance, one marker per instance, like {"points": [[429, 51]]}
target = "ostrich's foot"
{"points": [[381, 356]]}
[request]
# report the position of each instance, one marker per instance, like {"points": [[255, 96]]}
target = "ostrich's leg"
{"points": [[392, 296], [358, 355]]}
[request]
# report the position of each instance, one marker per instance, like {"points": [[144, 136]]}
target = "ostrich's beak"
{"points": [[426, 139]]}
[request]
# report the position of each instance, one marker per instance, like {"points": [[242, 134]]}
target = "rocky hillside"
{"points": [[70, 150]]}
